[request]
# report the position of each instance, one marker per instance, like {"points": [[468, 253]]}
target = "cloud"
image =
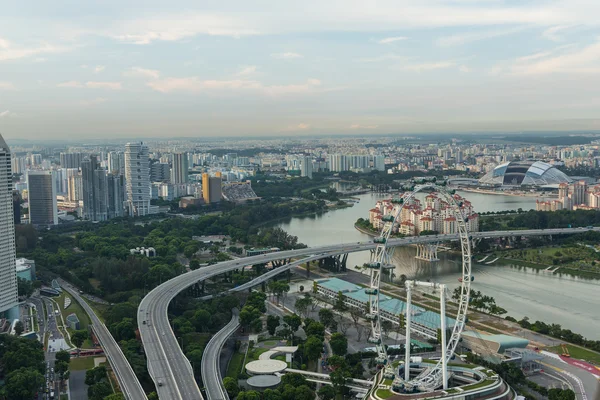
{"points": [[358, 126], [287, 55], [70, 84], [464, 68], [92, 85], [7, 114], [429, 66], [97, 100], [298, 127], [9, 51], [177, 27], [553, 33], [391, 39], [6, 86], [247, 70], [104, 85], [143, 72], [470, 37], [564, 59], [385, 57], [99, 68], [196, 85]]}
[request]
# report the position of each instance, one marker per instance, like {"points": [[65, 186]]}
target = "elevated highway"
{"points": [[211, 371], [170, 369], [130, 385]]}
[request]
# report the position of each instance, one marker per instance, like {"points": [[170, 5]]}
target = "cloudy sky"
{"points": [[281, 67]]}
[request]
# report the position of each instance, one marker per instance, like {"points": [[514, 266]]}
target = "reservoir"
{"points": [[570, 301]]}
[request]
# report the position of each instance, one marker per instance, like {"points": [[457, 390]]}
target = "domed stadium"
{"points": [[524, 173]]}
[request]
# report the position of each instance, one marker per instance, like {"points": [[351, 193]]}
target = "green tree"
{"points": [[98, 391], [23, 383], [278, 288], [19, 328], [249, 395], [339, 344], [327, 318], [116, 396], [95, 375], [302, 305], [293, 321], [340, 305], [327, 392], [24, 287], [231, 386], [313, 348], [314, 328], [293, 379], [78, 337], [272, 324]]}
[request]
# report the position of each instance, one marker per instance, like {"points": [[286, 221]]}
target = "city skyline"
{"points": [[288, 69]]}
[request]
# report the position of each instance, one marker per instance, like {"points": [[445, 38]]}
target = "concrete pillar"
{"points": [[443, 333], [407, 334]]}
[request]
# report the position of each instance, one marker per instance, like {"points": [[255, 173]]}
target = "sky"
{"points": [[103, 69]]}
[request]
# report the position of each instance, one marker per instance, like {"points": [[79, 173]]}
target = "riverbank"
{"points": [[514, 194], [366, 231]]}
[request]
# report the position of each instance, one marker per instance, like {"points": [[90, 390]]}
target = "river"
{"points": [[570, 301]]}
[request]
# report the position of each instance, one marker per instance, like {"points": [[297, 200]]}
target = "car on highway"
{"points": [[160, 383]]}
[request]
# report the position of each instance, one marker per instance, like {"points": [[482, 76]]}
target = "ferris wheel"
{"points": [[381, 260]]}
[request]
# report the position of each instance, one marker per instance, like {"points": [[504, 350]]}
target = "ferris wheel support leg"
{"points": [[407, 319], [443, 338]]}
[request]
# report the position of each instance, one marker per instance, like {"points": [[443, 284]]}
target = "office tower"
{"points": [[116, 194], [211, 188], [137, 179], [42, 198], [8, 268], [19, 165], [116, 162], [61, 180], [179, 172], [17, 206], [71, 160], [75, 192], [160, 172], [95, 194], [306, 167]]}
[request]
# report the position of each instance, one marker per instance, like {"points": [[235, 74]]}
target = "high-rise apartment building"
{"points": [[160, 172], [116, 194], [71, 160], [306, 167], [137, 179], [579, 193], [116, 162], [8, 269], [75, 192], [95, 193], [42, 198], [338, 163], [211, 188], [179, 171]]}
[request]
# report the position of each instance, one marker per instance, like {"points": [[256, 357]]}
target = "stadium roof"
{"points": [[502, 342], [527, 173]]}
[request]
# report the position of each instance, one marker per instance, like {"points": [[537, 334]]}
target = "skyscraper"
{"points": [[8, 269], [116, 162], [211, 188], [116, 194], [71, 160], [95, 193], [306, 167], [75, 188], [137, 178], [42, 198], [179, 172]]}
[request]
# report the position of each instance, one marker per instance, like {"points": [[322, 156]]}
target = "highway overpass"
{"points": [[168, 366], [130, 385]]}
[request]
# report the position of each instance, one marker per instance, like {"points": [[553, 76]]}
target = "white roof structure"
{"points": [[524, 173], [265, 367]]}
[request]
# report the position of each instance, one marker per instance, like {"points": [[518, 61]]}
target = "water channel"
{"points": [[570, 301]]}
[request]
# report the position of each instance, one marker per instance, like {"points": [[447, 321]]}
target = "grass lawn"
{"points": [[94, 282], [579, 353], [235, 365], [81, 363], [384, 393], [269, 343], [254, 354], [477, 385], [74, 307]]}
